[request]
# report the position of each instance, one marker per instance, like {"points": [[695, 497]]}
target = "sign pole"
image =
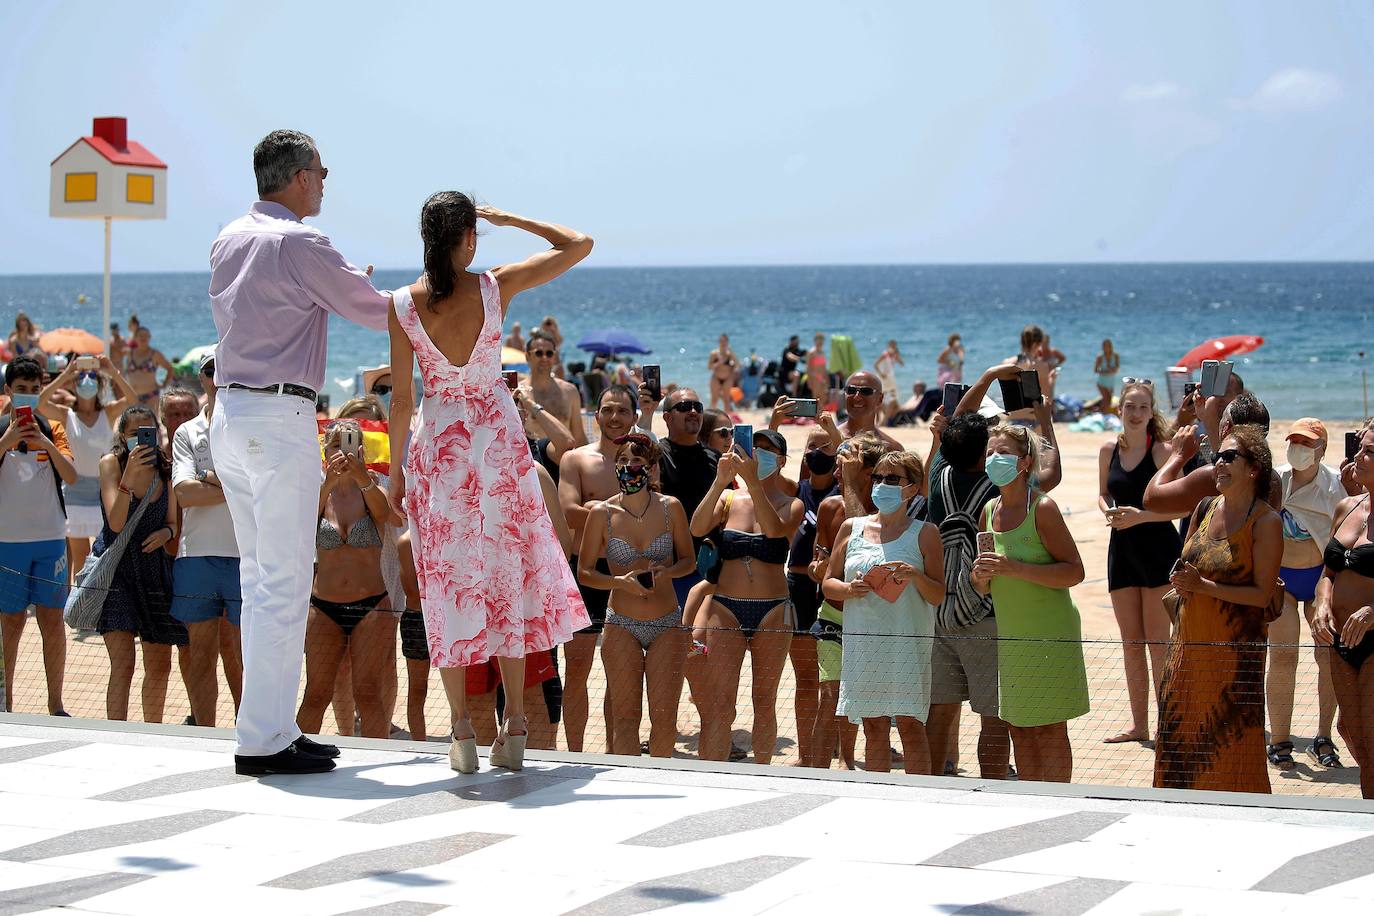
{"points": [[106, 326]]}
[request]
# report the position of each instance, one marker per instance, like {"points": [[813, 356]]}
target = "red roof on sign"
{"points": [[110, 139]]}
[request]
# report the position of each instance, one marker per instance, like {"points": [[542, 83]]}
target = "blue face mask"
{"points": [[24, 400], [887, 497], [768, 463], [87, 387], [131, 444], [1001, 469]]}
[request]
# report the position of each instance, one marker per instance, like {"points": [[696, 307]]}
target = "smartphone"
{"points": [[87, 364], [744, 438], [322, 404], [1030, 387], [1352, 445], [1013, 398], [24, 415], [1223, 379], [954, 393], [1189, 388], [646, 579], [351, 440], [805, 407], [1209, 378], [987, 543], [1174, 570], [653, 380], [147, 435], [512, 379], [1110, 500]]}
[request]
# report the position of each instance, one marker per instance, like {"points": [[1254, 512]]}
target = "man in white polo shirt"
{"points": [[205, 579]]}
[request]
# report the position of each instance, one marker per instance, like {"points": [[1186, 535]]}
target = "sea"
{"points": [[1317, 319]]}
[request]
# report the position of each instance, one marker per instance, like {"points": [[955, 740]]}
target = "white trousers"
{"points": [[267, 456]]}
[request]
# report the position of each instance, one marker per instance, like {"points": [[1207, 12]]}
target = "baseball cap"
{"points": [[773, 438], [1308, 428]]}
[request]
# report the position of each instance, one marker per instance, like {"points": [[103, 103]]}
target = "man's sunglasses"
{"points": [[1227, 455], [896, 480], [324, 172], [687, 407], [860, 390], [543, 354]]}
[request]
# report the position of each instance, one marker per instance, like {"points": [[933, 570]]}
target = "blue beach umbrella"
{"points": [[612, 341]]}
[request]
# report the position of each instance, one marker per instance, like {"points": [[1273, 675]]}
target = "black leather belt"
{"points": [[299, 391]]}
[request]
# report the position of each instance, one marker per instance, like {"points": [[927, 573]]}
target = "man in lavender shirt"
{"points": [[274, 281]]}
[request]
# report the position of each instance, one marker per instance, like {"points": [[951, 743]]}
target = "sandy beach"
{"points": [[1122, 764]]}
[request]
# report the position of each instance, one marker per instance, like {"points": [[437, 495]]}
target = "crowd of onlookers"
{"points": [[897, 586]]}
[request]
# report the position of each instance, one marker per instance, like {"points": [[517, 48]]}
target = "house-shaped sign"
{"points": [[107, 175]]}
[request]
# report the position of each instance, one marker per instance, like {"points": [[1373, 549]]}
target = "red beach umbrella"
{"points": [[66, 340], [1220, 348]]}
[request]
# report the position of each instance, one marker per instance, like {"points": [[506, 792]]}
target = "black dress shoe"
{"points": [[315, 748], [287, 762]]}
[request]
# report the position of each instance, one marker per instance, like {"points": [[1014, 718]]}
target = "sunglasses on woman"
{"points": [[1228, 455], [381, 390], [896, 480], [723, 431], [1132, 380]]}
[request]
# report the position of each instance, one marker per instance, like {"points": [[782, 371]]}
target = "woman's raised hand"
{"points": [[492, 215]]}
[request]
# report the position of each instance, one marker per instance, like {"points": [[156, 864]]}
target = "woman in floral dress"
{"points": [[493, 579]]}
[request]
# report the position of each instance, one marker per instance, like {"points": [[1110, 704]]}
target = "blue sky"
{"points": [[722, 133]]}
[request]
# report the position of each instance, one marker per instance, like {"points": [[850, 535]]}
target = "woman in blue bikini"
{"points": [[751, 609]]}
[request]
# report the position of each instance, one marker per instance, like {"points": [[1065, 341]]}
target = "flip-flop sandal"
{"points": [[1281, 755], [1327, 758]]}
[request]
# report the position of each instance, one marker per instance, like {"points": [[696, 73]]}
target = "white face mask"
{"points": [[1301, 457]]}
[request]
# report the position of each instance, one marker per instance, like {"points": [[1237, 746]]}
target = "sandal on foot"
{"points": [[462, 753], [1125, 738], [1328, 757], [508, 751], [1281, 755]]}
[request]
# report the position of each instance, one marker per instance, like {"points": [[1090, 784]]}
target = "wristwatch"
{"points": [[202, 474]]}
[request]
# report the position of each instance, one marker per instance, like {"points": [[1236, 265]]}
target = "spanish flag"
{"points": [[376, 443]]}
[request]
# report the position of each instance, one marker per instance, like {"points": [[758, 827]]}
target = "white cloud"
{"points": [[1294, 89], [1152, 92]]}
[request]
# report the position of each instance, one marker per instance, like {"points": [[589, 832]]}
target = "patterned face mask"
{"points": [[632, 477]]}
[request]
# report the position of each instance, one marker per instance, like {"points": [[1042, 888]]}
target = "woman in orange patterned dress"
{"points": [[1211, 720]]}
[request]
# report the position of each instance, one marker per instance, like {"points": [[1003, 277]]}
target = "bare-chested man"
{"points": [[560, 398], [587, 475], [863, 397]]}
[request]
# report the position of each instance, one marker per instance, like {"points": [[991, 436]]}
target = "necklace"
{"points": [[630, 512]]}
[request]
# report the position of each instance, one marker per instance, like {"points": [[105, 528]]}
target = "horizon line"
{"points": [[917, 264]]}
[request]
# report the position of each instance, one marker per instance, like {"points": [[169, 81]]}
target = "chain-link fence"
{"points": [[771, 698]]}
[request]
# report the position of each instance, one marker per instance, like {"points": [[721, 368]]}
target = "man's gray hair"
{"points": [[278, 157]]}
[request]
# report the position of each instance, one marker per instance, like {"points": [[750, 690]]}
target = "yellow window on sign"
{"points": [[80, 187], [139, 189]]}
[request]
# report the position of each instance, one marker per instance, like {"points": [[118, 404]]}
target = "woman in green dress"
{"points": [[1041, 678]]}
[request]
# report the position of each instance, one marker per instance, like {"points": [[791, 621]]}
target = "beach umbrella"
{"points": [[513, 359], [190, 363], [844, 356], [612, 340], [1220, 348], [69, 340]]}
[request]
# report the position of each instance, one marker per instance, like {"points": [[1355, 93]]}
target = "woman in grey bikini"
{"points": [[643, 535]]}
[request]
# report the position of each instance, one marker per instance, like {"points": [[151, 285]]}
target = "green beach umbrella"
{"points": [[844, 356]]}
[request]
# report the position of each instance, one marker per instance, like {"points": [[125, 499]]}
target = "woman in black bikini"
{"points": [[643, 536], [353, 510], [1345, 613], [751, 609]]}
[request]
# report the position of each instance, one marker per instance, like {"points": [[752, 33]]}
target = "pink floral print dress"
{"points": [[493, 578]]}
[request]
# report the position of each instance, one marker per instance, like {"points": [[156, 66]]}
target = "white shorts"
{"points": [[83, 521]]}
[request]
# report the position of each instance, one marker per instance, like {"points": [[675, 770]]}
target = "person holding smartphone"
{"points": [[89, 425], [1142, 547], [645, 539], [751, 610], [140, 599], [886, 668], [35, 462], [1041, 677]]}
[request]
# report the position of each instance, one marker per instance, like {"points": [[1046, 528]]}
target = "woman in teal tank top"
{"points": [[1042, 681]]}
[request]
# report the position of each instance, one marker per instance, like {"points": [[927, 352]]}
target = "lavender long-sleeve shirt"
{"points": [[273, 282]]}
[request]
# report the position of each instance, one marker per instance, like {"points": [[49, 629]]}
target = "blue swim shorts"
{"points": [[34, 572], [204, 588]]}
